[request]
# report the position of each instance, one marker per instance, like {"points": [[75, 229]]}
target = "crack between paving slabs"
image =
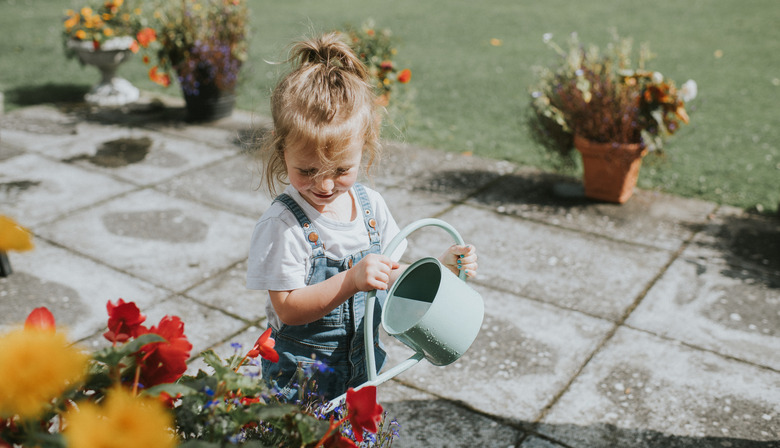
{"points": [[543, 413]]}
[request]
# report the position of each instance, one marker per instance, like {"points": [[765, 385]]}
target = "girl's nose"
{"points": [[327, 184]]}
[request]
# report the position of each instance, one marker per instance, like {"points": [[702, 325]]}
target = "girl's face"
{"points": [[318, 188]]}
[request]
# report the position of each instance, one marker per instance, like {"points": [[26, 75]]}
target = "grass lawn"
{"points": [[472, 96]]}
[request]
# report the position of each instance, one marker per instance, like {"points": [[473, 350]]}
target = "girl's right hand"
{"points": [[372, 272]]}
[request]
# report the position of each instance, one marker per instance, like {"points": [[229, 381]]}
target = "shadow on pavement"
{"points": [[47, 93]]}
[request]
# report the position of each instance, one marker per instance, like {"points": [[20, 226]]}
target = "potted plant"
{"points": [[204, 44], [376, 48], [103, 34], [611, 112]]}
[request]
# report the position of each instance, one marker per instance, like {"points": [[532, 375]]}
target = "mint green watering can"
{"points": [[428, 308]]}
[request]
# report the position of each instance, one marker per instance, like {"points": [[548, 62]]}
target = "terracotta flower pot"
{"points": [[611, 169]]}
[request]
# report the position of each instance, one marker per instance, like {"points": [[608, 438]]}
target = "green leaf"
{"points": [[172, 389], [199, 444], [113, 355]]}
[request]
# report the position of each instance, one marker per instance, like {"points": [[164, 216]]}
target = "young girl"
{"points": [[317, 250]]}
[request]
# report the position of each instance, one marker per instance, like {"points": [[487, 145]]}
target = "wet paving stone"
{"points": [[666, 395], [584, 272], [649, 218], [723, 293], [233, 185], [524, 355], [37, 190], [74, 288], [145, 233], [418, 414]]}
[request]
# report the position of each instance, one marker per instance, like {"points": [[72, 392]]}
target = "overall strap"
{"points": [[368, 213], [309, 231]]}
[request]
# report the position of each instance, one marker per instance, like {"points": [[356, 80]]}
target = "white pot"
{"points": [[111, 90]]}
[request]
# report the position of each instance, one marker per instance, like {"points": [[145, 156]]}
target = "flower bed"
{"points": [[134, 393]]}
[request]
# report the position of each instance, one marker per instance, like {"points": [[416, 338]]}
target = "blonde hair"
{"points": [[324, 102]]}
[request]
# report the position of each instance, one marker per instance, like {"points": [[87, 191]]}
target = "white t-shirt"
{"points": [[279, 254]]}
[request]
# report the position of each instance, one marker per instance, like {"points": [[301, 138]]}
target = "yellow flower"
{"points": [[86, 12], [124, 421], [37, 366], [13, 236], [108, 32], [106, 16], [80, 35]]}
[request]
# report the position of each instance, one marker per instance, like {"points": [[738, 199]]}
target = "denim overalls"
{"points": [[337, 338]]}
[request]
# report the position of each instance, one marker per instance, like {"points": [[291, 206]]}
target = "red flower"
{"points": [[264, 347], [124, 321], [167, 400], [335, 440], [164, 362], [364, 413], [146, 36], [40, 319], [404, 76], [386, 65]]}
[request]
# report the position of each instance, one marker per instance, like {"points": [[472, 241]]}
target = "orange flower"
{"points": [[146, 36], [404, 76], [162, 79], [264, 347], [40, 319], [134, 46], [80, 35], [73, 20]]}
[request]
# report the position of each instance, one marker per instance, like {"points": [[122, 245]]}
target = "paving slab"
{"points": [[419, 415], [741, 240], [408, 205], [723, 293], [167, 241], [579, 271], [139, 156], [450, 174], [227, 291], [38, 127], [75, 289], [205, 327], [524, 355], [650, 218], [232, 184], [34, 189], [644, 391], [537, 442]]}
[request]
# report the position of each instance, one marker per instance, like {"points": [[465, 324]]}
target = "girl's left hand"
{"points": [[461, 258]]}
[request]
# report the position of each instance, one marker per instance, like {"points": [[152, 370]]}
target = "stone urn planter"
{"points": [[111, 90]]}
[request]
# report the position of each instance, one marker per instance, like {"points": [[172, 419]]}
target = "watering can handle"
{"points": [[371, 296]]}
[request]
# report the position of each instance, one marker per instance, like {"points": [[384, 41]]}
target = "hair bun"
{"points": [[330, 50]]}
